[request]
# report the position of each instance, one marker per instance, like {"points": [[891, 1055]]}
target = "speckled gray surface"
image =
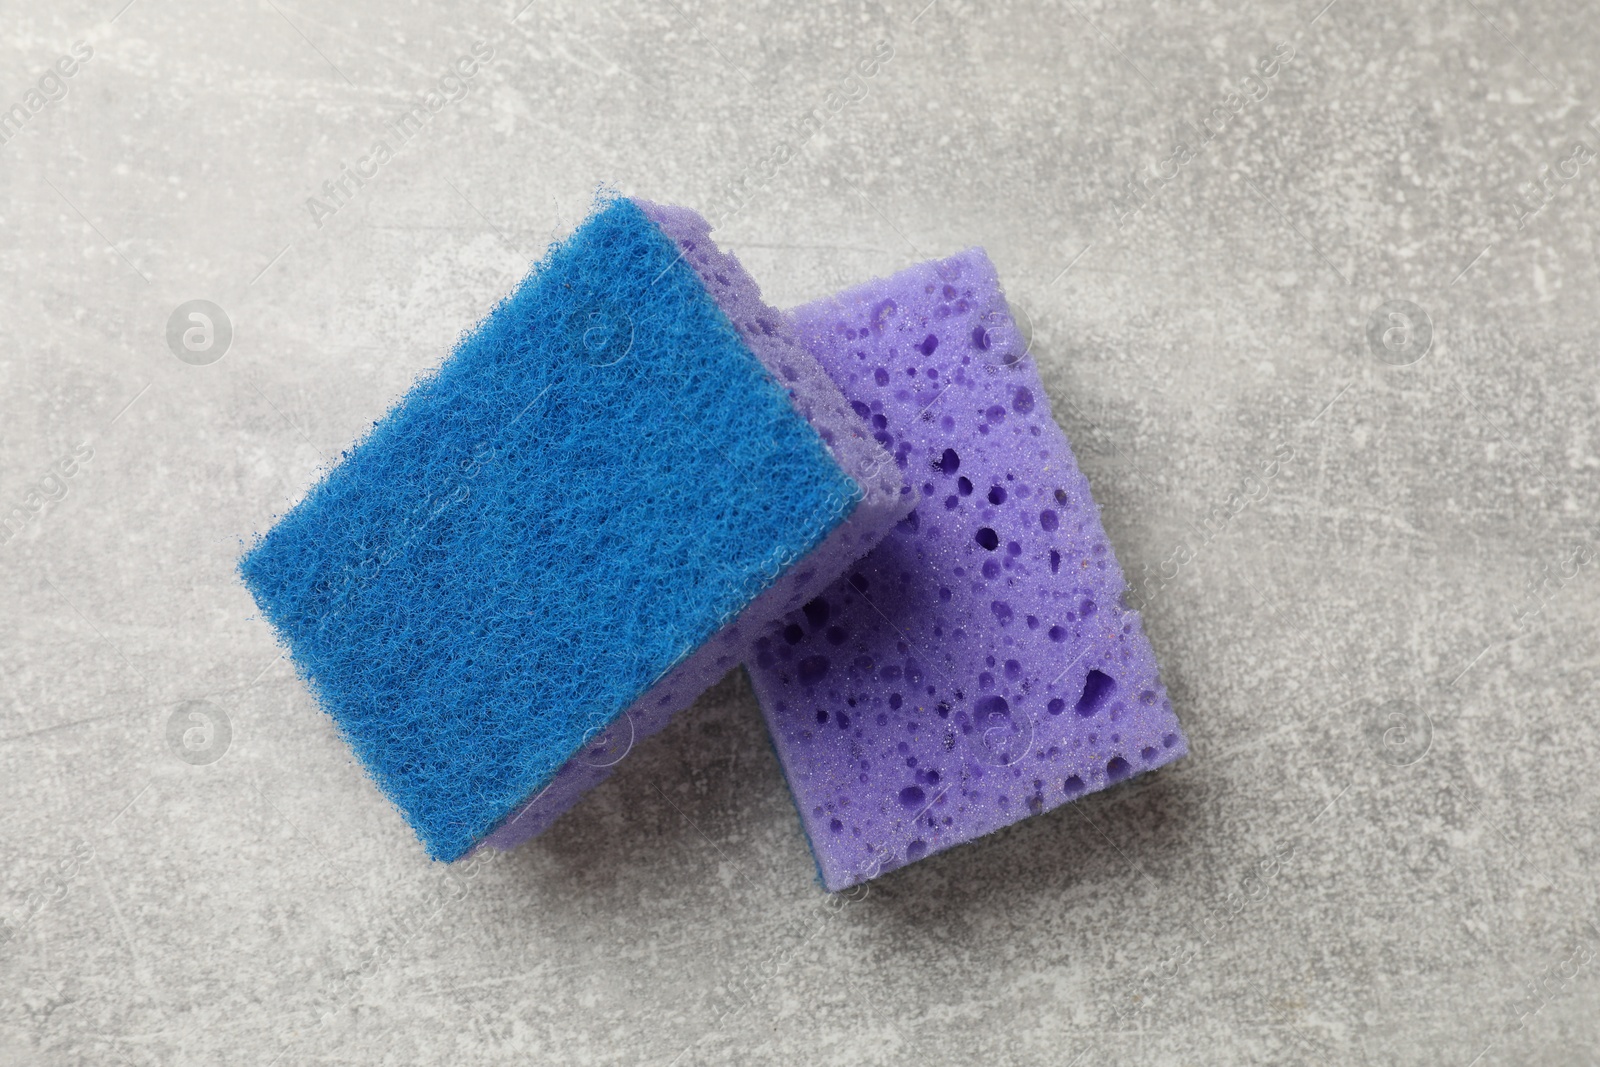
{"points": [[1383, 847]]}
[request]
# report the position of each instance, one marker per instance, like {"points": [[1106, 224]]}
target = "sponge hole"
{"points": [[1097, 687]]}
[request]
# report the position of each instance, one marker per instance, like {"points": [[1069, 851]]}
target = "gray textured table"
{"points": [[1360, 240]]}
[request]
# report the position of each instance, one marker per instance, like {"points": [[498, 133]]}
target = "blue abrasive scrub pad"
{"points": [[561, 536]]}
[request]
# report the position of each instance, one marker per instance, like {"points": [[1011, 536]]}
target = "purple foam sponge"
{"points": [[979, 665]]}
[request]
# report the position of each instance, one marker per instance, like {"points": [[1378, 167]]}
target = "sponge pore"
{"points": [[979, 665], [549, 544]]}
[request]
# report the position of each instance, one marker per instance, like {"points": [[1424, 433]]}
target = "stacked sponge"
{"points": [[633, 473], [563, 535]]}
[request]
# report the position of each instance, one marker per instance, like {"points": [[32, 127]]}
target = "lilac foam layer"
{"points": [[978, 666], [885, 499]]}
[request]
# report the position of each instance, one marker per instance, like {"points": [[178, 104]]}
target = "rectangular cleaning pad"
{"points": [[552, 542], [979, 665]]}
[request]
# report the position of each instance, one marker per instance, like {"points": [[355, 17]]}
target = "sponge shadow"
{"points": [[666, 802], [1110, 841]]}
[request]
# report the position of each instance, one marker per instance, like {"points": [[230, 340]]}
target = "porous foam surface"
{"points": [[978, 666], [568, 520]]}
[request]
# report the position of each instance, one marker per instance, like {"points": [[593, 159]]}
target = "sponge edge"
{"points": [[885, 499], [572, 517], [979, 665]]}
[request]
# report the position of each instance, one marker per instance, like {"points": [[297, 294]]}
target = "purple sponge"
{"points": [[979, 665]]}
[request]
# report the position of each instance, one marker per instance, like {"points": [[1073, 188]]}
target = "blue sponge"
{"points": [[624, 464]]}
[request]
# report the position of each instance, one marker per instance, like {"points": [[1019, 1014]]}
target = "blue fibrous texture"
{"points": [[978, 666], [593, 491], [885, 500]]}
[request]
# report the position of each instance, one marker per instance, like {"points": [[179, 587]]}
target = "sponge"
{"points": [[563, 534], [978, 666]]}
